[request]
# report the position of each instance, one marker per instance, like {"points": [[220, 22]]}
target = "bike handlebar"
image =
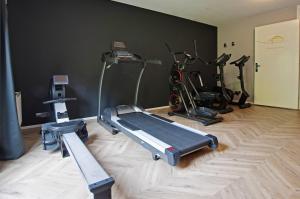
{"points": [[241, 61], [222, 59]]}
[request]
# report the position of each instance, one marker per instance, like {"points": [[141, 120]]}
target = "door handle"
{"points": [[256, 67]]}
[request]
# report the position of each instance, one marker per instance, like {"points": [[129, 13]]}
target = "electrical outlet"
{"points": [[43, 115]]}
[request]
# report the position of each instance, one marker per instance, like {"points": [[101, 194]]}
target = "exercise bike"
{"points": [[240, 63], [68, 136], [181, 100]]}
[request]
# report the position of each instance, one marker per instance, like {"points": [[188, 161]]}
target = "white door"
{"points": [[277, 65]]}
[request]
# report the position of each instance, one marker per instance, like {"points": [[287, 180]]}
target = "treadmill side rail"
{"points": [[141, 137], [159, 149], [99, 182]]}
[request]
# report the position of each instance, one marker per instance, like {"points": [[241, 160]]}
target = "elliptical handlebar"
{"points": [[188, 59], [168, 47], [196, 54], [195, 49], [171, 52], [203, 61]]}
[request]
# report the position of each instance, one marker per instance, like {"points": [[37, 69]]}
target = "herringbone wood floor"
{"points": [[258, 158]]}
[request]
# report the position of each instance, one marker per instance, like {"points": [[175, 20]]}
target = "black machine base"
{"points": [[242, 106], [226, 110], [247, 105], [242, 102], [220, 108]]}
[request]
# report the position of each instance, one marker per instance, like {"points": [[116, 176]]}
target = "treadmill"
{"points": [[164, 138]]}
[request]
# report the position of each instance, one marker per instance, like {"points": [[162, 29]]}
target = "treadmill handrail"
{"points": [[107, 61], [145, 63]]}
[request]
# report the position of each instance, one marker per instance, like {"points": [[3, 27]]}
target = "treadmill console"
{"points": [[120, 52], [118, 45], [60, 80]]}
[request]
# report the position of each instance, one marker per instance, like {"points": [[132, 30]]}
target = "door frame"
{"points": [[254, 62]]}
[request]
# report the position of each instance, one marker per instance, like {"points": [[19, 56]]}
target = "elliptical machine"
{"points": [[69, 135], [181, 100], [240, 63], [217, 99]]}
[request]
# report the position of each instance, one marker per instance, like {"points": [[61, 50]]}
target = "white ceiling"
{"points": [[213, 12]]}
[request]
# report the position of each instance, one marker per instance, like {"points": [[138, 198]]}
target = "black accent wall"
{"points": [[68, 36]]}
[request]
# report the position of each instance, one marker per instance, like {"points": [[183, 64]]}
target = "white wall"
{"points": [[241, 31]]}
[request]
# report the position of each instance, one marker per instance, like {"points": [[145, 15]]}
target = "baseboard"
{"points": [[157, 108], [31, 126], [89, 118], [236, 101]]}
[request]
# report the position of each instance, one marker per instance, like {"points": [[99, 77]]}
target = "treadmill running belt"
{"points": [[183, 140]]}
